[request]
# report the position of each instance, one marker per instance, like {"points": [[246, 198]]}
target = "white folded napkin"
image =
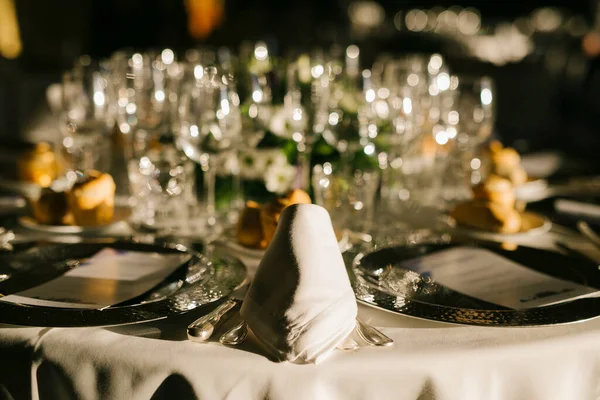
{"points": [[300, 305]]}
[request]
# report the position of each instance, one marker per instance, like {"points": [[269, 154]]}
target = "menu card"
{"points": [[109, 277], [485, 275]]}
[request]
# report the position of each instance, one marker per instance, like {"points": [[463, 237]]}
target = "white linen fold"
{"points": [[300, 305]]}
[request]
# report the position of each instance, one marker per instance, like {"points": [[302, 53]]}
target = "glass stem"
{"points": [[209, 189], [346, 158], [238, 190], [303, 166]]}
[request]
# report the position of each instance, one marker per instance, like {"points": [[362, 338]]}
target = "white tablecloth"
{"points": [[428, 361]]}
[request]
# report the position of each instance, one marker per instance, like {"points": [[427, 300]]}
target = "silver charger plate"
{"points": [[200, 281], [407, 293]]}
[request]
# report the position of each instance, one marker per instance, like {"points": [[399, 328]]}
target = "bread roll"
{"points": [[249, 229], [518, 176], [298, 196], [497, 190], [269, 214], [52, 208], [92, 201], [487, 216]]}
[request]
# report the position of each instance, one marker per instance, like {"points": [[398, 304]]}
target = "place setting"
{"points": [[239, 216]]}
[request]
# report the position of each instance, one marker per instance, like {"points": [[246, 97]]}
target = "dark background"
{"points": [[538, 107]]}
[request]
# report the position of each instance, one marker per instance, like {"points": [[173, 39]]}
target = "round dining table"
{"points": [[429, 360]]}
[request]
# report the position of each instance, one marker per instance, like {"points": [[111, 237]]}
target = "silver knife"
{"points": [[202, 329]]}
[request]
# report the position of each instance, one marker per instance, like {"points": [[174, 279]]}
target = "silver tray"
{"points": [[406, 292], [200, 281]]}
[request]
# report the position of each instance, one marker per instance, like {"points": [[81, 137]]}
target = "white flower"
{"points": [[253, 164], [279, 178], [250, 165], [277, 125], [228, 164], [274, 157]]}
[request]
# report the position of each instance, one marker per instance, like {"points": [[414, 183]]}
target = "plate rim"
{"points": [[147, 311], [483, 234], [566, 307], [29, 222]]}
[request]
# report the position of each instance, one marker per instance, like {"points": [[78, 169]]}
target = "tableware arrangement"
{"points": [[371, 146], [121, 215], [202, 329], [391, 278], [198, 281], [532, 224]]}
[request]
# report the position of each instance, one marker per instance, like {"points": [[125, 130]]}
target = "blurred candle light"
{"points": [[167, 56], [366, 14], [416, 20], [469, 21], [547, 19], [10, 37]]}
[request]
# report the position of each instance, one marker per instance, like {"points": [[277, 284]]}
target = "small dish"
{"points": [[121, 215], [532, 224]]}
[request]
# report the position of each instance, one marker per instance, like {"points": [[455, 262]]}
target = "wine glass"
{"points": [[304, 100], [140, 81], [475, 110], [211, 124], [346, 120], [255, 95], [87, 115]]}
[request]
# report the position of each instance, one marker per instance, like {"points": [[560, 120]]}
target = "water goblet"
{"points": [[87, 115], [349, 197], [210, 121]]}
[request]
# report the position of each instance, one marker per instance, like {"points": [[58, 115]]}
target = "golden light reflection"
{"points": [[10, 38]]}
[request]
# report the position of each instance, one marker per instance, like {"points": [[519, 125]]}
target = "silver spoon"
{"points": [[235, 335], [202, 329], [371, 335]]}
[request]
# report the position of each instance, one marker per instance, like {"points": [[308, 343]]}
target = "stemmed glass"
{"points": [[472, 118], [349, 121], [142, 98], [475, 108], [304, 100], [255, 92], [87, 115], [210, 125]]}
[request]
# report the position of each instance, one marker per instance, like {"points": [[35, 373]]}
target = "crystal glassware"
{"points": [[211, 124], [349, 197], [468, 122], [162, 184], [304, 101], [141, 85], [87, 115]]}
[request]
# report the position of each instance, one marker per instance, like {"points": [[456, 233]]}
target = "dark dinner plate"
{"points": [[199, 281], [408, 293]]}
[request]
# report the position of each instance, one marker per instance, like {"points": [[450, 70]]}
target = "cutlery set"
{"points": [[201, 330]]}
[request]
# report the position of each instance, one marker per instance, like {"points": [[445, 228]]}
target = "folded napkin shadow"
{"points": [[300, 305]]}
